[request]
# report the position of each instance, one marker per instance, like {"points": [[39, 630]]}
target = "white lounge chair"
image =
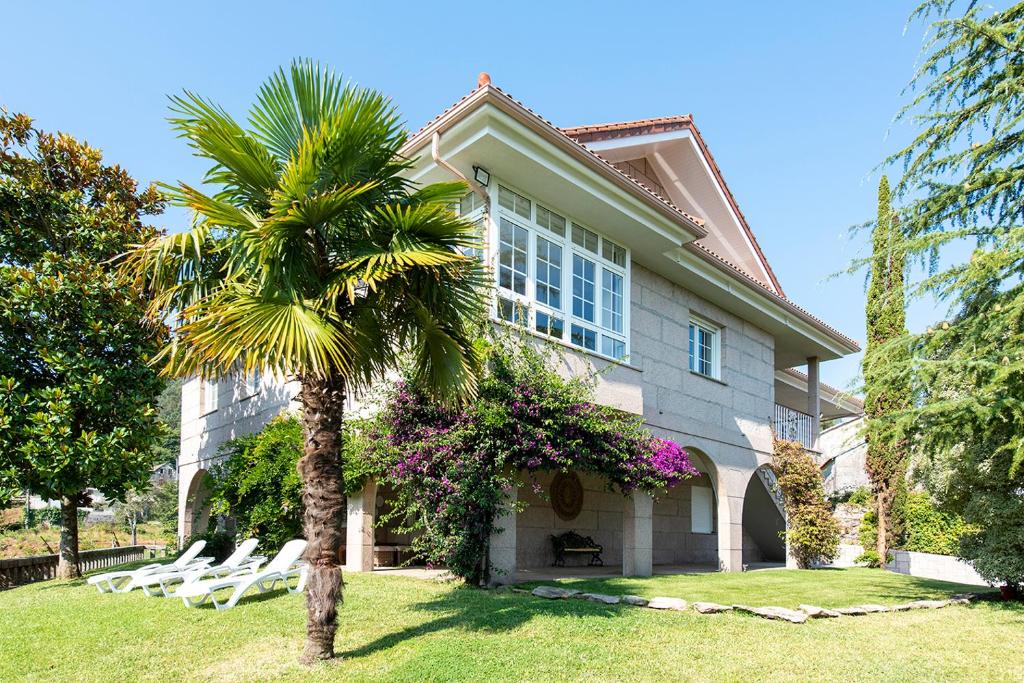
{"points": [[239, 562], [123, 581], [283, 567]]}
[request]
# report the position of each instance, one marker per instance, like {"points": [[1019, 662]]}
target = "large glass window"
{"points": [[704, 351], [549, 273], [611, 300], [512, 257], [583, 286], [556, 277]]}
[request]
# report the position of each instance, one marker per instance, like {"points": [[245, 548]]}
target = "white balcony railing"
{"points": [[792, 425]]}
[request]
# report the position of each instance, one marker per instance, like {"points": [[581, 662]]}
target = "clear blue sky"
{"points": [[794, 99]]}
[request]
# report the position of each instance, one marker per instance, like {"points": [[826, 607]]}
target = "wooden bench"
{"points": [[572, 542]]}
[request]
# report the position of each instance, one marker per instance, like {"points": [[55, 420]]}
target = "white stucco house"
{"points": [[623, 243]]}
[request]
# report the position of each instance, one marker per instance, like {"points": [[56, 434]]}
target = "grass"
{"points": [[45, 540], [404, 629]]}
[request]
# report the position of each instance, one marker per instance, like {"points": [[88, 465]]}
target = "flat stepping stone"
{"points": [[874, 609], [851, 611], [711, 607], [553, 592], [667, 603], [634, 600], [815, 612], [598, 597], [928, 604], [779, 613]]}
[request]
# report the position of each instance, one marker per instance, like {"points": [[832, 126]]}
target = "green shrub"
{"points": [[812, 533], [929, 530], [860, 496], [219, 544], [869, 558]]}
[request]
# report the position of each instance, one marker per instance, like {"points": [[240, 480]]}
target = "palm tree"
{"points": [[313, 257]]}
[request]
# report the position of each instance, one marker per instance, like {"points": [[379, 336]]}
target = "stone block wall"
{"points": [[600, 518], [674, 542]]}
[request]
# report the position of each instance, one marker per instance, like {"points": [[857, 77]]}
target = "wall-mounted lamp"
{"points": [[481, 176]]}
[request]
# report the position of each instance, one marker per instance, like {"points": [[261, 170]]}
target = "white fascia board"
{"points": [[671, 136], [761, 302]]}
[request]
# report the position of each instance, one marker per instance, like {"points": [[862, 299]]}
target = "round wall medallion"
{"points": [[567, 495]]}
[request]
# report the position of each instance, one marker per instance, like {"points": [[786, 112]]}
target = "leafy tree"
{"points": [[886, 392], [315, 258], [76, 392], [135, 509], [963, 183], [169, 412], [812, 533]]}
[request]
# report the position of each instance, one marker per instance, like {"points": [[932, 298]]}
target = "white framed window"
{"points": [[705, 348], [253, 382], [559, 278], [702, 510], [208, 396]]}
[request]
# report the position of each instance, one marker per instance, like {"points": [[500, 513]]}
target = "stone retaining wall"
{"points": [[930, 566]]}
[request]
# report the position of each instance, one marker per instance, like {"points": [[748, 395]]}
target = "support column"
{"points": [[814, 400], [732, 485], [501, 559], [362, 507], [638, 535]]}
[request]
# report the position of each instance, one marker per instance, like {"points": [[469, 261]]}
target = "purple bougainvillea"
{"points": [[451, 468]]}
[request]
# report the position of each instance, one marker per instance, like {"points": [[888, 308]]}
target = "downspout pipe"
{"points": [[480, 190]]}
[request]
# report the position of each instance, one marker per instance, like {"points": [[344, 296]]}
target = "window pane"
{"points": [[470, 203], [704, 342], [613, 253], [693, 364], [512, 257], [511, 311], [551, 220], [513, 201], [584, 238], [549, 273], [581, 336], [550, 325], [611, 300], [612, 347], [478, 234], [583, 288]]}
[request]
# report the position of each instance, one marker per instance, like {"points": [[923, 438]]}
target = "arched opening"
{"points": [[197, 504], [685, 519], [764, 520]]}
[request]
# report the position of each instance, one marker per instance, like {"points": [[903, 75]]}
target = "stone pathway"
{"points": [[797, 616]]}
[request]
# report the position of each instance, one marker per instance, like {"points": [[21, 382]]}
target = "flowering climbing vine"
{"points": [[451, 468]]}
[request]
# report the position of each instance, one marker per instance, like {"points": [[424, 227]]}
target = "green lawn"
{"points": [[396, 628]]}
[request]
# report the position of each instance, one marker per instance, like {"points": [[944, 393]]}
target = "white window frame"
{"points": [[528, 301], [702, 510], [209, 390], [253, 383], [693, 356]]}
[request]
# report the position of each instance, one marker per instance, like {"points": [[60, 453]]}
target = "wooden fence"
{"points": [[18, 571]]}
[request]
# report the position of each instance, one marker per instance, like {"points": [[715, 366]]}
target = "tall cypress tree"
{"points": [[887, 389]]}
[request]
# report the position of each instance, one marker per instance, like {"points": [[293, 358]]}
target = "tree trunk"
{"points": [[134, 527], [881, 544], [323, 404], [67, 564]]}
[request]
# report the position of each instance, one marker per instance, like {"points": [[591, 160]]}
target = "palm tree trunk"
{"points": [[323, 404], [67, 562]]}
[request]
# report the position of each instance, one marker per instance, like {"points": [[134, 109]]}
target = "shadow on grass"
{"points": [[473, 609]]}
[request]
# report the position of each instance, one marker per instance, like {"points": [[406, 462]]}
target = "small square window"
{"points": [[547, 218], [513, 201], [581, 336], [704, 349], [550, 325], [614, 253], [584, 238], [512, 311]]}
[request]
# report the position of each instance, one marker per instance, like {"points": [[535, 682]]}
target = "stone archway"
{"points": [[195, 512], [764, 519], [685, 518]]}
